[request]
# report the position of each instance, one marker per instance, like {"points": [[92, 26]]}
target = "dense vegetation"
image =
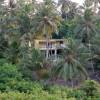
{"points": [[25, 74]]}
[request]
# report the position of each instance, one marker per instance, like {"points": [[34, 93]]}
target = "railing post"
{"points": [[55, 54]]}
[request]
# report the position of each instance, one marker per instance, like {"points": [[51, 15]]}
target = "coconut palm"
{"points": [[95, 43], [88, 3], [45, 21], [86, 29], [65, 7], [1, 2], [69, 9], [95, 4], [70, 67], [3, 42], [11, 3], [94, 59], [15, 28], [73, 11]]}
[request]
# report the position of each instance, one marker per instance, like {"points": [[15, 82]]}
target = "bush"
{"points": [[90, 87], [27, 87], [78, 94], [39, 96], [11, 80], [3, 61], [8, 74], [35, 91]]}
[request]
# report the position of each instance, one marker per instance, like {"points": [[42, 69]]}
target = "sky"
{"points": [[78, 1]]}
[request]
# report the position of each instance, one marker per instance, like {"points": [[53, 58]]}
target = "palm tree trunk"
{"points": [[72, 83], [47, 48], [88, 34], [91, 57], [47, 42], [95, 8]]}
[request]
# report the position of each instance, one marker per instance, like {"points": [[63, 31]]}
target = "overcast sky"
{"points": [[78, 1]]}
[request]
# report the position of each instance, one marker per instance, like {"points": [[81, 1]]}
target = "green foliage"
{"points": [[24, 86], [30, 61], [37, 59], [52, 93], [86, 27], [2, 61], [11, 79], [66, 29], [91, 88], [78, 94], [8, 74], [25, 64], [12, 52], [71, 67], [23, 96], [21, 22], [24, 20]]}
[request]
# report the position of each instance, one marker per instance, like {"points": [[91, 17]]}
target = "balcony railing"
{"points": [[51, 46]]}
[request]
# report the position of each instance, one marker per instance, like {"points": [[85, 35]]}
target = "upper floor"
{"points": [[52, 44]]}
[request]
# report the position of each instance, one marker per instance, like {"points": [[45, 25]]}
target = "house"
{"points": [[51, 49]]}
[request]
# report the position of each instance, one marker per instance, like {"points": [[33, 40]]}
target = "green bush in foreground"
{"points": [[37, 92], [90, 87], [39, 96], [44, 95], [11, 80], [8, 74], [14, 87]]}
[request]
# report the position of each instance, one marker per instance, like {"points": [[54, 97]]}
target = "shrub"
{"points": [[78, 94], [3, 61], [35, 91], [28, 87], [90, 87], [25, 96], [8, 74]]}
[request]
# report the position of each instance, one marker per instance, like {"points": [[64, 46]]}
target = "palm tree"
{"points": [[65, 7], [1, 2], [15, 28], [3, 41], [95, 43], [70, 67], [68, 8], [45, 21], [73, 11], [95, 4], [87, 25], [86, 29], [94, 59], [11, 3], [88, 3]]}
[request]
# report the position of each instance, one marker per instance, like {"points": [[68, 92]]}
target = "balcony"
{"points": [[52, 45]]}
